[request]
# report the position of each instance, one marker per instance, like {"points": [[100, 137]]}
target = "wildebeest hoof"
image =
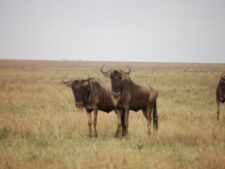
{"points": [[125, 134], [118, 135], [140, 146], [95, 135]]}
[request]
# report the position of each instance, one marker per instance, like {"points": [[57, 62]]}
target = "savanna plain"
{"points": [[40, 127]]}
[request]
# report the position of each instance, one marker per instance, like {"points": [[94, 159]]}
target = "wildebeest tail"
{"points": [[155, 116]]}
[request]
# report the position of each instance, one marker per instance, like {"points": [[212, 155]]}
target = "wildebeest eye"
{"points": [[111, 76]]}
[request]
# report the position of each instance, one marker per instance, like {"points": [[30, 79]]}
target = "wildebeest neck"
{"points": [[101, 97], [129, 84]]}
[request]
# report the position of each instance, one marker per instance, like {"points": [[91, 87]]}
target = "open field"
{"points": [[41, 128]]}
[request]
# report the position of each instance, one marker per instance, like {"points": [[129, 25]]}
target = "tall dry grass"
{"points": [[40, 126]]}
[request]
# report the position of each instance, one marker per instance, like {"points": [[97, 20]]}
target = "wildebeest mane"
{"points": [[100, 95]]}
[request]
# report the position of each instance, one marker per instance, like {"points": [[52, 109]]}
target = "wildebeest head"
{"points": [[222, 78], [116, 77], [222, 86], [81, 90]]}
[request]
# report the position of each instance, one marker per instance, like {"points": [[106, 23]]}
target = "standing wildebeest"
{"points": [[132, 96], [220, 93], [93, 96]]}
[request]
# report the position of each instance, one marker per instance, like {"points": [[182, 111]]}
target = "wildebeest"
{"points": [[93, 96], [132, 96], [220, 93]]}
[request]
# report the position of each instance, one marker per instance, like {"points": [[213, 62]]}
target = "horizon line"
{"points": [[131, 61]]}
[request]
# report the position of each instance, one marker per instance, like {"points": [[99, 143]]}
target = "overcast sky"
{"points": [[120, 30]]}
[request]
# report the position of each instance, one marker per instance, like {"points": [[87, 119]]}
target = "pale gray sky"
{"points": [[121, 30]]}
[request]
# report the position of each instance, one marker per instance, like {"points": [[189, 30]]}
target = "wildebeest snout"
{"points": [[79, 104], [116, 94]]}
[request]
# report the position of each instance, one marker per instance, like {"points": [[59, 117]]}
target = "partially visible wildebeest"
{"points": [[93, 96], [220, 93], [132, 96]]}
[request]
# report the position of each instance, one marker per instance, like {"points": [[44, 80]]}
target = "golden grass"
{"points": [[40, 126]]}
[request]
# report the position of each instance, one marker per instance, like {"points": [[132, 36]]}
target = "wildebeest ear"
{"points": [[125, 76], [84, 83], [223, 76], [108, 74], [91, 80], [67, 82]]}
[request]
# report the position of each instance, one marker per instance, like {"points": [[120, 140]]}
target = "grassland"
{"points": [[40, 127]]}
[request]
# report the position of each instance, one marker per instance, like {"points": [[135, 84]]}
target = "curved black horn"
{"points": [[105, 73], [126, 72], [101, 69], [129, 69], [88, 75]]}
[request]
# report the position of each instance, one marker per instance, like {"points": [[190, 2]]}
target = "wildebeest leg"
{"points": [[147, 113], [89, 123], [118, 130], [149, 118], [95, 122], [126, 119], [218, 109]]}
